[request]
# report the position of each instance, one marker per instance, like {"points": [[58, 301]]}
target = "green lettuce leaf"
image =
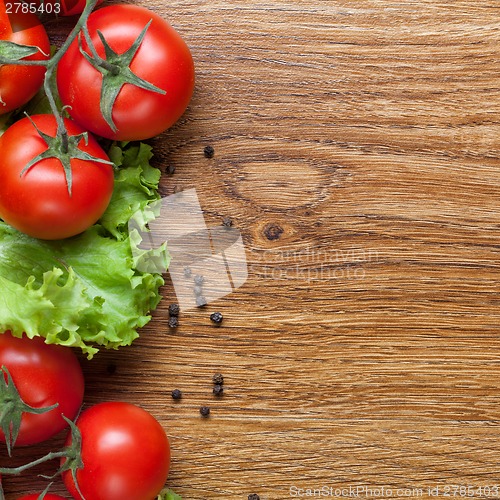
{"points": [[131, 194], [86, 291], [168, 494]]}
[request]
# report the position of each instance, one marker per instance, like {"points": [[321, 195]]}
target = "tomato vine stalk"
{"points": [[51, 65], [70, 454]]}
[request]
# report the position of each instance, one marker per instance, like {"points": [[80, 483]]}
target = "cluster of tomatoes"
{"points": [[124, 451], [126, 76]]}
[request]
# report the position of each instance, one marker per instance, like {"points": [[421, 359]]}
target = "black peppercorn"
{"points": [[218, 379], [205, 411], [176, 394], [170, 169], [173, 322], [253, 496], [208, 151], [199, 279], [218, 390], [216, 318], [227, 222], [187, 272], [173, 310]]}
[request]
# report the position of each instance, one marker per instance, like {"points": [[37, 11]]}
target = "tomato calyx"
{"points": [[115, 70], [71, 453], [42, 495], [13, 408], [65, 148]]}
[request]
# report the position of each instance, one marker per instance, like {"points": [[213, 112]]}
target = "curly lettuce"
{"points": [[86, 291], [168, 494]]}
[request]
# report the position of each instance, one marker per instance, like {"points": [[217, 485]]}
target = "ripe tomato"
{"points": [[18, 84], [163, 59], [63, 7], [38, 202], [44, 374], [125, 453]]}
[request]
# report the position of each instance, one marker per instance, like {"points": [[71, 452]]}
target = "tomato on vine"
{"points": [[125, 453], [49, 382], [48, 196], [128, 76], [24, 39]]}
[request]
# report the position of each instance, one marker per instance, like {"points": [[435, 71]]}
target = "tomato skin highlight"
{"points": [[125, 453], [44, 374], [18, 84], [38, 202], [163, 60]]}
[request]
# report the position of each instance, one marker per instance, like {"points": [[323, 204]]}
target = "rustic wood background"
{"points": [[357, 150]]}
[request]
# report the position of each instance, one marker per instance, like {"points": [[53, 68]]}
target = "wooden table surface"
{"points": [[357, 151]]}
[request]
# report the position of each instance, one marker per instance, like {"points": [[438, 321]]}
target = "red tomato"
{"points": [[18, 84], [38, 202], [44, 374], [63, 7], [163, 59], [125, 453]]}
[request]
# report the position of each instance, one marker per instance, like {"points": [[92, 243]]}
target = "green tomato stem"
{"points": [[44, 492], [18, 470], [22, 62]]}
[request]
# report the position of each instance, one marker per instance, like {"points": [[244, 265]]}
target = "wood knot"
{"points": [[273, 232]]}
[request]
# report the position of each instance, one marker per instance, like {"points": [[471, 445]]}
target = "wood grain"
{"points": [[357, 151]]}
